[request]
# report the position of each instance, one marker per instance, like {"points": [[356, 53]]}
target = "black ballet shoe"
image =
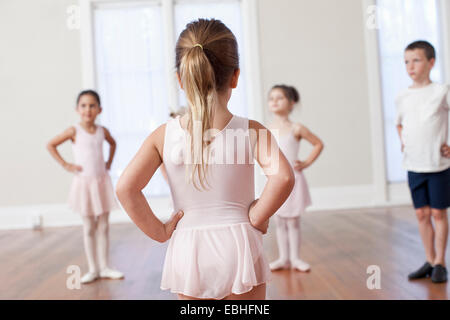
{"points": [[439, 274], [423, 272]]}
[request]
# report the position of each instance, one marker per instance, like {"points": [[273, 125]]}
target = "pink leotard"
{"points": [[299, 199], [91, 192], [214, 251]]}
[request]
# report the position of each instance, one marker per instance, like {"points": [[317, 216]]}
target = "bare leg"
{"points": [[441, 236], [426, 232], [257, 293], [283, 245], [293, 226], [103, 248]]}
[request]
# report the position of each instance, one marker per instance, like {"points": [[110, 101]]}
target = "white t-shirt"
{"points": [[423, 114]]}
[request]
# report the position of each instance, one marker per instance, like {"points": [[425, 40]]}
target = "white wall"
{"points": [[39, 79], [318, 46]]}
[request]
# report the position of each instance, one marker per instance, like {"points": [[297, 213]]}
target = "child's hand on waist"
{"points": [[171, 225], [445, 151], [72, 167], [260, 226], [300, 165]]}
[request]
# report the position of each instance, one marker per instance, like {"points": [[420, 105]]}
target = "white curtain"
{"points": [[129, 47], [131, 73], [400, 23], [229, 12]]}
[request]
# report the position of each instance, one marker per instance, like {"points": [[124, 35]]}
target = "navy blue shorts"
{"points": [[430, 189]]}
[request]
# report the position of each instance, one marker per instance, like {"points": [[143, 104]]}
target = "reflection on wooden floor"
{"points": [[339, 245]]}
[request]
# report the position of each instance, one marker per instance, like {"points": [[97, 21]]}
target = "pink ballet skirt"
{"points": [[92, 196], [91, 192], [214, 261], [214, 251], [300, 198]]}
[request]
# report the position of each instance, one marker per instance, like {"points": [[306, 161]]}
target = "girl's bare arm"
{"points": [[112, 147], [302, 132], [280, 177], [135, 177], [68, 134]]}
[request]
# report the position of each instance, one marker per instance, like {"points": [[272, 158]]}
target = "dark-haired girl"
{"points": [[91, 193], [282, 100]]}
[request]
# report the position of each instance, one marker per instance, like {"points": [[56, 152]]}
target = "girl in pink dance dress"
{"points": [[215, 249], [281, 102], [91, 193]]}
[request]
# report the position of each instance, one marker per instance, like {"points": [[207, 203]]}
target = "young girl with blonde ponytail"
{"points": [[215, 249]]}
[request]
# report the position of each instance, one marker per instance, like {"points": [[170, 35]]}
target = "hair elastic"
{"points": [[198, 45]]}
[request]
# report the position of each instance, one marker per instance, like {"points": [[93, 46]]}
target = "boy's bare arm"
{"points": [[399, 130], [445, 150]]}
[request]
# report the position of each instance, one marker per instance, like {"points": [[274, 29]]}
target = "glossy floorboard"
{"points": [[339, 245]]}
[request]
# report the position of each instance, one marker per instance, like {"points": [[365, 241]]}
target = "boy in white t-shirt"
{"points": [[422, 123]]}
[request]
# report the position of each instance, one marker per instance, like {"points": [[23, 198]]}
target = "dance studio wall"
{"points": [[318, 46], [39, 80]]}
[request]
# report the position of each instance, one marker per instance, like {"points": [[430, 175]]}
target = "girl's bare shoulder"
{"points": [[157, 137], [256, 125], [68, 134], [298, 129], [71, 133], [105, 129], [259, 130], [296, 126]]}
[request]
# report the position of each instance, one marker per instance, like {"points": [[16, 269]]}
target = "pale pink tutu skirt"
{"points": [[298, 200], [214, 260], [92, 195]]}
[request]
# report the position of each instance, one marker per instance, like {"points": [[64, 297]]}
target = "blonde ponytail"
{"points": [[206, 57], [197, 76]]}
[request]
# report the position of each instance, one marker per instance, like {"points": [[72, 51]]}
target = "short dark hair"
{"points": [[89, 92], [289, 92], [430, 52]]}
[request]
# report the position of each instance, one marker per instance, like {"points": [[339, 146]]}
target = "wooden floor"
{"points": [[339, 245]]}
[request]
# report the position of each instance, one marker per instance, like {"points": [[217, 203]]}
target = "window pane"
{"points": [[130, 73], [402, 22], [229, 12]]}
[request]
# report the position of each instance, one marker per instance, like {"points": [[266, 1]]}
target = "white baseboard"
{"points": [[357, 196], [328, 198], [344, 197], [399, 193], [59, 215]]}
